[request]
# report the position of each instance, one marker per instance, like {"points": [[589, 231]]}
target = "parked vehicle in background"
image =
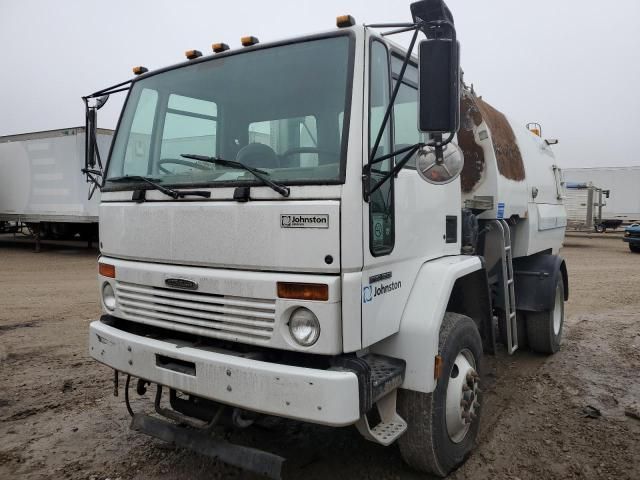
{"points": [[622, 182], [632, 237], [41, 186], [584, 203], [293, 229]]}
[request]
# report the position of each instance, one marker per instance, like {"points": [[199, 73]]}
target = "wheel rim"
{"points": [[462, 396], [557, 311]]}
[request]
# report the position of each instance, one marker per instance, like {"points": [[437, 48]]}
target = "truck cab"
{"points": [[269, 245]]}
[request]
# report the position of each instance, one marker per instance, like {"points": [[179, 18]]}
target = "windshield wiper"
{"points": [[259, 174], [175, 194]]}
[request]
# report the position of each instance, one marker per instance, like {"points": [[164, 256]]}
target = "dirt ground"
{"points": [[59, 418]]}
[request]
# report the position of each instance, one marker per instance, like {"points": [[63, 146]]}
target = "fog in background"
{"points": [[570, 65]]}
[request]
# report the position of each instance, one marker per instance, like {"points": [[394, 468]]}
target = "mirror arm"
{"points": [[394, 95], [399, 166]]}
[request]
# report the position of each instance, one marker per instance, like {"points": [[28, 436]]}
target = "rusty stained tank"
{"points": [[508, 173]]}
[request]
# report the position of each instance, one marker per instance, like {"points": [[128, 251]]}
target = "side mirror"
{"points": [[91, 127], [439, 87], [90, 139]]}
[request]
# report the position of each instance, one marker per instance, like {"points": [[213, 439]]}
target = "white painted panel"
{"points": [[222, 234]]}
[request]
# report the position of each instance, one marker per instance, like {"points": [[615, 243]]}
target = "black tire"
{"points": [[634, 248], [544, 334], [523, 341], [426, 445], [600, 228]]}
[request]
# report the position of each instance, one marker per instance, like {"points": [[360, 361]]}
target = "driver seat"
{"points": [[258, 155]]}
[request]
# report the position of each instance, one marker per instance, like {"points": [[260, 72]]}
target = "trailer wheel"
{"points": [[443, 425], [600, 228], [634, 248], [544, 329]]}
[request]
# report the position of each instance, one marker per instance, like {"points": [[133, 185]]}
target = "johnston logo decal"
{"points": [[304, 221], [370, 292]]}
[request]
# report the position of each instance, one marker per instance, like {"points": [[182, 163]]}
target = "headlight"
{"points": [[108, 296], [304, 327]]}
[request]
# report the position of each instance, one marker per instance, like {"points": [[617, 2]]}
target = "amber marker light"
{"points": [[219, 47], [249, 41], [345, 21], [139, 70], [192, 54], [303, 291], [437, 367], [107, 270]]}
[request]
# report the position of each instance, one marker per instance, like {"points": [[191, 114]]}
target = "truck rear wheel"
{"points": [[544, 329], [443, 425], [634, 248]]}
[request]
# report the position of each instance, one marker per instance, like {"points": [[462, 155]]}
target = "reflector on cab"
{"points": [[249, 41], [219, 47], [192, 54], [345, 21], [139, 70]]}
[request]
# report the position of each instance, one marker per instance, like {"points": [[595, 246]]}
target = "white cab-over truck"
{"points": [[327, 229]]}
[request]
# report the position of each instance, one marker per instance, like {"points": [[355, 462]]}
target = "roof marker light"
{"points": [[219, 47], [249, 41], [192, 54], [345, 21], [139, 70]]}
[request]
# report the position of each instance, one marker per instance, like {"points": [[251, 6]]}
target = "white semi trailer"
{"points": [[41, 184], [316, 248], [623, 202]]}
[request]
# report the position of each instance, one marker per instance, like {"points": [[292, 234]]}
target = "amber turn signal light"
{"points": [[140, 70], [345, 21], [303, 291], [107, 270], [192, 54], [219, 47], [249, 41]]}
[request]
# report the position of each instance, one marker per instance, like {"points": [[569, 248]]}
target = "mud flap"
{"points": [[257, 461]]}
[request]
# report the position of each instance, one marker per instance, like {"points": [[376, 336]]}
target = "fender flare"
{"points": [[416, 342]]}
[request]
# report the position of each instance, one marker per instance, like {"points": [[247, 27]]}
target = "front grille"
{"points": [[217, 316]]}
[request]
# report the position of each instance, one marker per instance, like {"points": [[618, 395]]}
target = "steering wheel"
{"points": [[293, 151], [187, 163]]}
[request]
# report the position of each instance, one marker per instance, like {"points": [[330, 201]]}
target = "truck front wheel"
{"points": [[443, 425], [634, 248], [544, 329]]}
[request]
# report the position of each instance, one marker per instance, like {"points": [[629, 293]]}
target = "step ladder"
{"points": [[508, 286]]}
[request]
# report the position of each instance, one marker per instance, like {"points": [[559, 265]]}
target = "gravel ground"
{"points": [[59, 419]]}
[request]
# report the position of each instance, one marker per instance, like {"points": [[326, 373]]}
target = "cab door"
{"points": [[405, 220]]}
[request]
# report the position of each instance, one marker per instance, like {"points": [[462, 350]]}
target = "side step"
{"points": [[200, 441], [391, 425], [379, 378]]}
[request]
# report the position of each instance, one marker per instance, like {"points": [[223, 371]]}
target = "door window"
{"points": [[381, 214]]}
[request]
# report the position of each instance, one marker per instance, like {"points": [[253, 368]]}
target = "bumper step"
{"points": [[378, 375]]}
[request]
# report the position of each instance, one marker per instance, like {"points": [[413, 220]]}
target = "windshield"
{"points": [[279, 109]]}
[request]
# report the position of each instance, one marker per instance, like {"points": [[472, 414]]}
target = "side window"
{"points": [[381, 214], [189, 127], [405, 109], [136, 158]]}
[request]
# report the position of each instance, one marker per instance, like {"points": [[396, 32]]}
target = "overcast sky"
{"points": [[571, 65]]}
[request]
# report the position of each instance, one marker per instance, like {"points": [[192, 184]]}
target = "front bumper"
{"points": [[325, 397], [632, 240]]}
